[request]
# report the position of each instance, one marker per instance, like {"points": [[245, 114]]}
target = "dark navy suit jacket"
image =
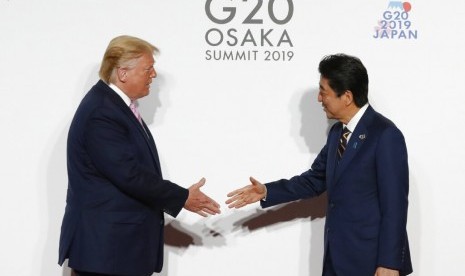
{"points": [[113, 222], [367, 197]]}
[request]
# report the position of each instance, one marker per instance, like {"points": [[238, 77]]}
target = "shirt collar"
{"points": [[354, 121], [118, 91]]}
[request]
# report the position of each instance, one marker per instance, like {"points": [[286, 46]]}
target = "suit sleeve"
{"points": [[393, 188], [309, 184], [117, 156]]}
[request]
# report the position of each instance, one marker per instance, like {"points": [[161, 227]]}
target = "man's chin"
{"points": [[142, 94]]}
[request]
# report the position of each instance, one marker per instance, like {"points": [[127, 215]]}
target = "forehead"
{"points": [[145, 60], [325, 88], [324, 83]]}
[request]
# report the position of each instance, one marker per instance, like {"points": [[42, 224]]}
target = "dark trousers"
{"points": [[83, 273], [328, 268]]}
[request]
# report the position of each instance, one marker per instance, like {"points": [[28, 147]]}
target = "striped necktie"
{"points": [[343, 142]]}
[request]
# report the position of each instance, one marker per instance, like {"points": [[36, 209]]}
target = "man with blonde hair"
{"points": [[117, 197]]}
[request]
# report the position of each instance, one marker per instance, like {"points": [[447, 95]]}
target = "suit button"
{"points": [[162, 222], [331, 205]]}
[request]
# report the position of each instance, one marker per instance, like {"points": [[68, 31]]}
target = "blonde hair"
{"points": [[122, 51]]}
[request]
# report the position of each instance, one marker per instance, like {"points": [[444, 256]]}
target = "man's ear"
{"points": [[349, 97], [122, 74]]}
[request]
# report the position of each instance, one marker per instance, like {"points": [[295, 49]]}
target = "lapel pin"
{"points": [[362, 136]]}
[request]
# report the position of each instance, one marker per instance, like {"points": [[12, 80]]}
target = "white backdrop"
{"points": [[229, 119]]}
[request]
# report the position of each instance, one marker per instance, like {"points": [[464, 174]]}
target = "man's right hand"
{"points": [[247, 195], [198, 202]]}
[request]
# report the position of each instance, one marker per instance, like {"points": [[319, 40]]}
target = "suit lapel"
{"points": [[153, 147], [357, 139], [142, 129], [333, 141]]}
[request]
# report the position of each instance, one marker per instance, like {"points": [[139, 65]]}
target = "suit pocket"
{"points": [[125, 217]]}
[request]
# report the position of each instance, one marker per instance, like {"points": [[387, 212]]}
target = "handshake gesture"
{"points": [[203, 205]]}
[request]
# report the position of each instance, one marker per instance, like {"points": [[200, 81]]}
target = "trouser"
{"points": [[328, 268], [84, 273]]}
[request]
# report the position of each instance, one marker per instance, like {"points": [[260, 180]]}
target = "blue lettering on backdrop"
{"points": [[396, 23]]}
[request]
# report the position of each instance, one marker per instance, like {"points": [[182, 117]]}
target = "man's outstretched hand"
{"points": [[246, 195], [198, 202]]}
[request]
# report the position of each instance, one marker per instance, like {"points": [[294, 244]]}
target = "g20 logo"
{"points": [[231, 41], [396, 23], [251, 18]]}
